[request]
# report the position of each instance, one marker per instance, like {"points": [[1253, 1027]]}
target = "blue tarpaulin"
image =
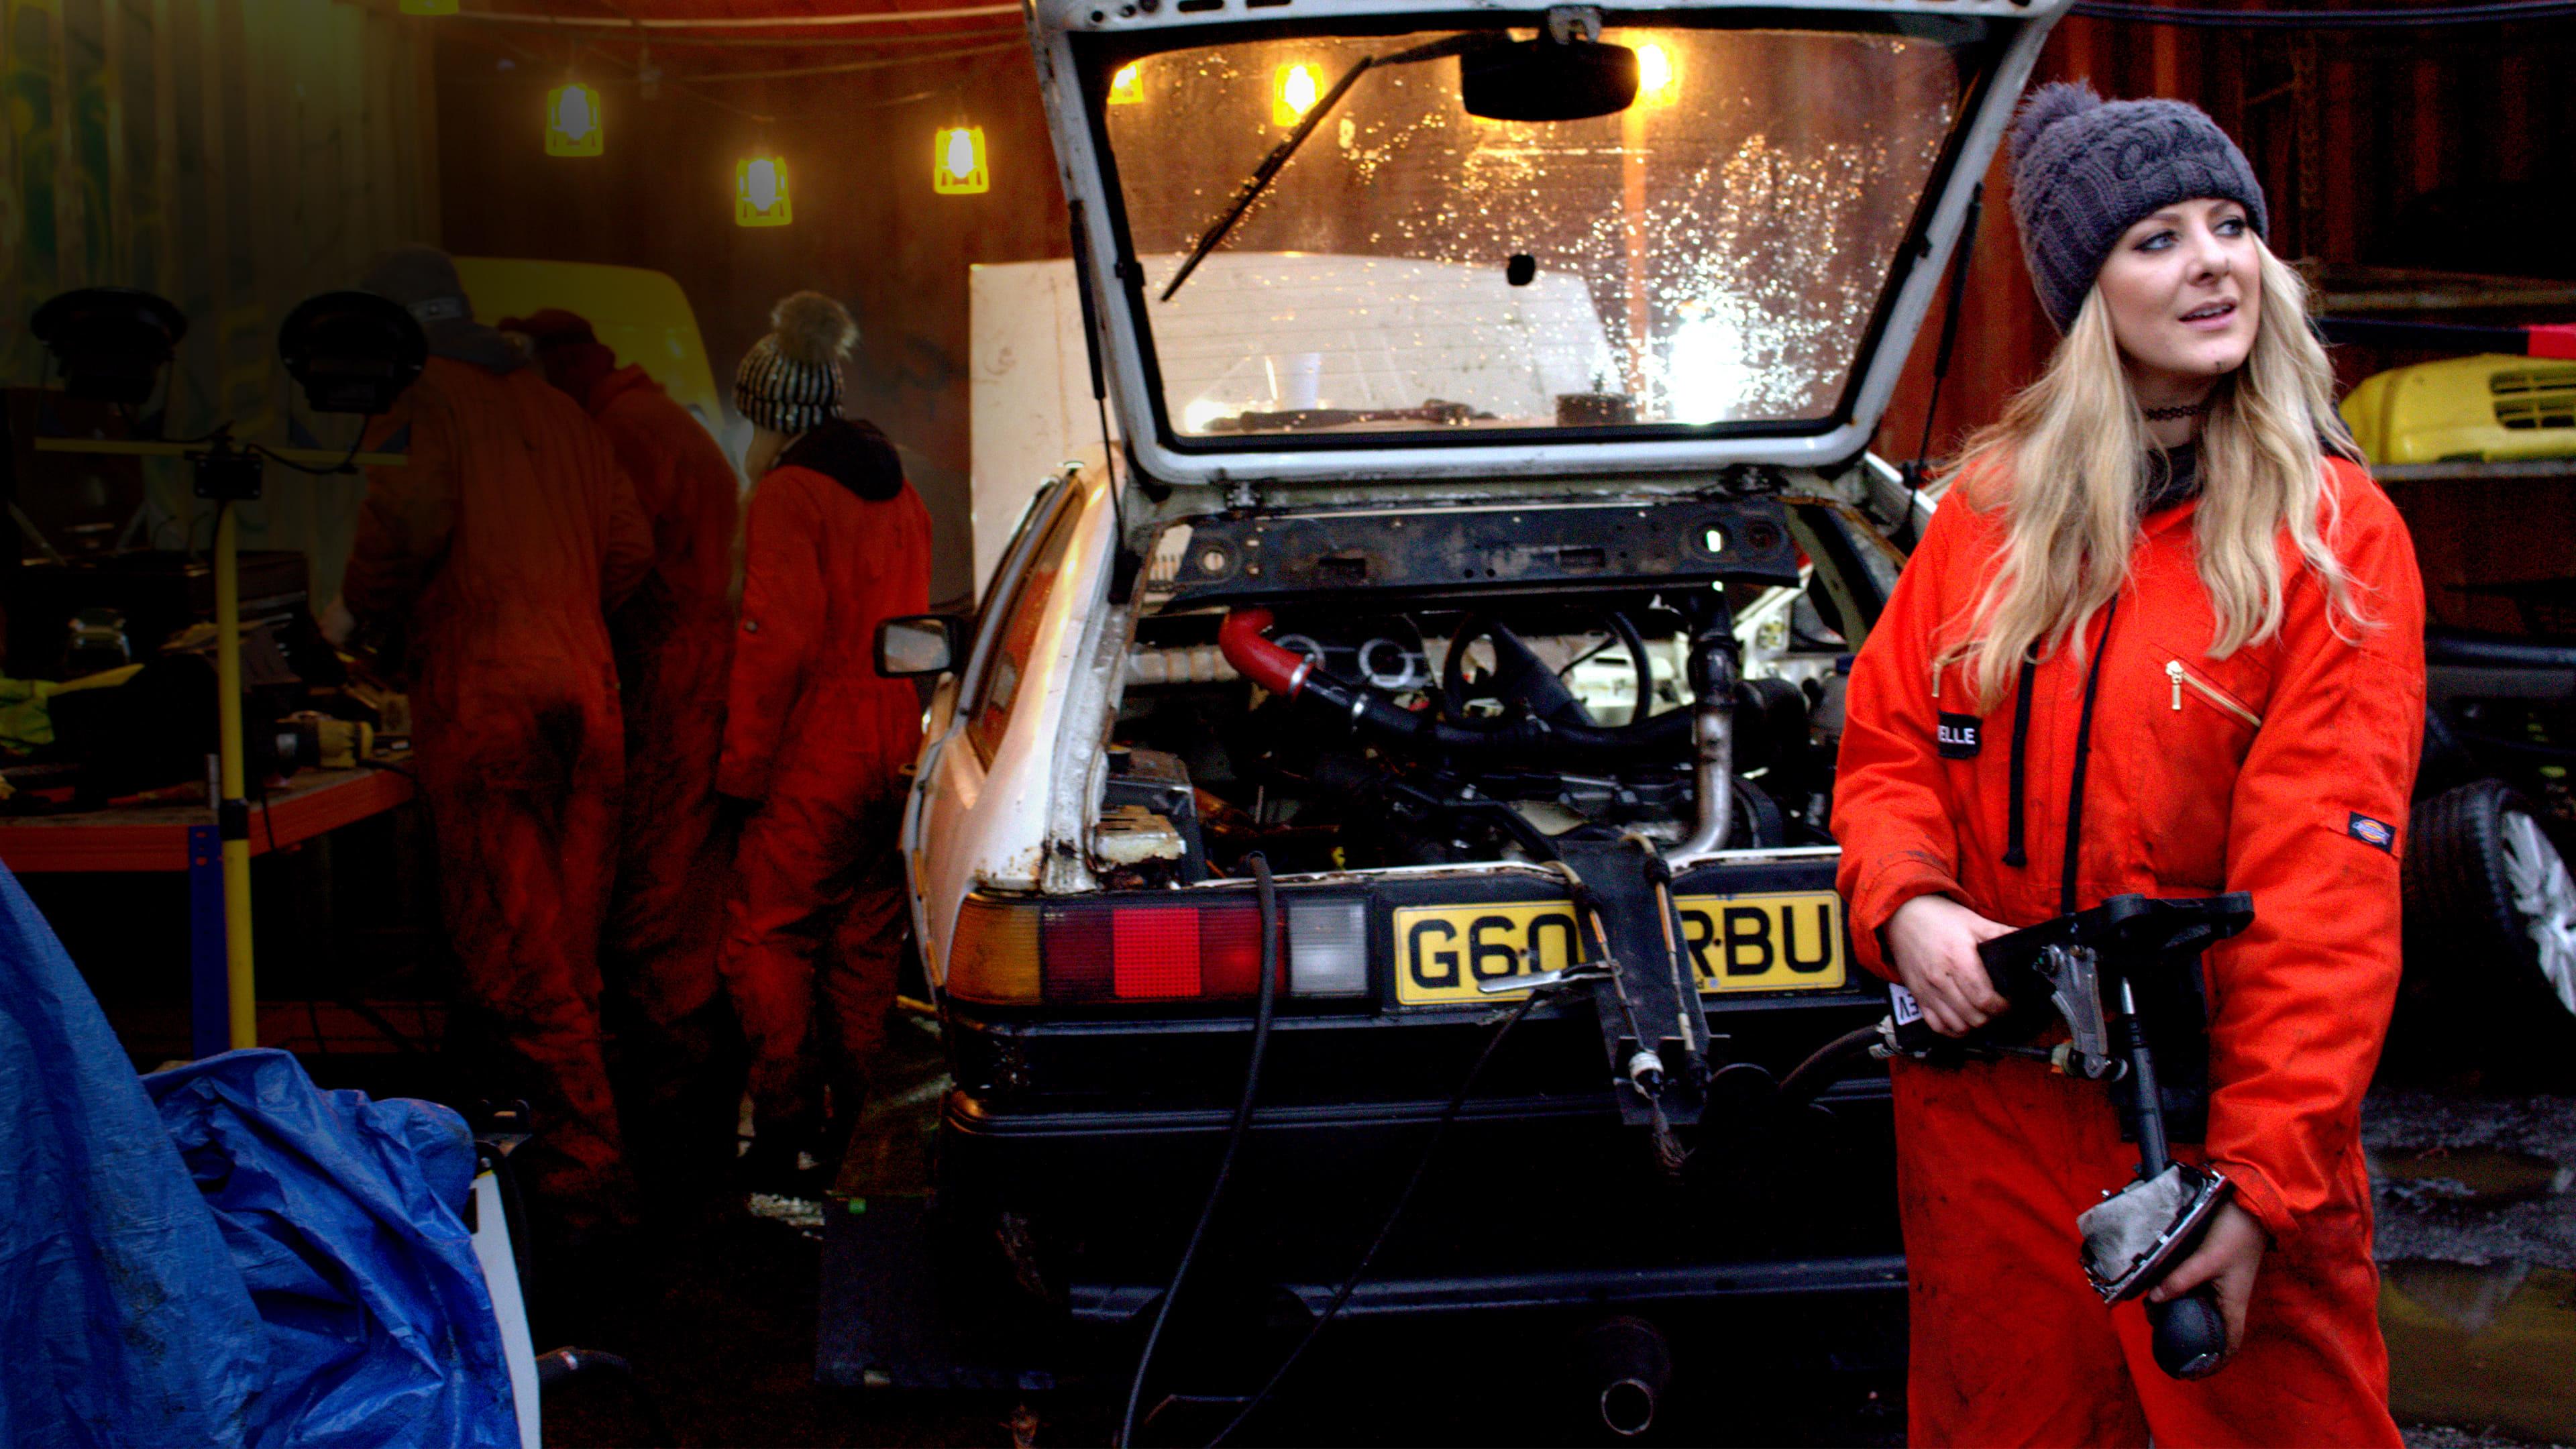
{"points": [[125, 1319], [258, 1262], [340, 1215]]}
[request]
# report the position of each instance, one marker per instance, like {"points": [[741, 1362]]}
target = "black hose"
{"points": [[563, 1363], [1809, 1078], [1267, 1001], [1421, 1168]]}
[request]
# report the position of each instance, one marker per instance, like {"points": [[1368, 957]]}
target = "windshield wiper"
{"points": [[1259, 180]]}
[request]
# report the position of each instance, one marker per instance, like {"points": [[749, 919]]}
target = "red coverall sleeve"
{"points": [[2300, 1002], [1892, 802], [408, 514], [783, 606]]}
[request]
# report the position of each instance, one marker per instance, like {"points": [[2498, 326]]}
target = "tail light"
{"points": [[1147, 950], [993, 955]]}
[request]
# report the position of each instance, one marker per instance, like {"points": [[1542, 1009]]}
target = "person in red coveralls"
{"points": [[834, 542], [2163, 636], [680, 1083], [499, 547]]}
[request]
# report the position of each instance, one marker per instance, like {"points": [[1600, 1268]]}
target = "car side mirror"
{"points": [[919, 644]]}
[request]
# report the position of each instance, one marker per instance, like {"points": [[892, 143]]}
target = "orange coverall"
{"points": [[2183, 794], [817, 738], [674, 640], [501, 543]]}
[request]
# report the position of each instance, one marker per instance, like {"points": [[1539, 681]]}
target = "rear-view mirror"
{"points": [[917, 644], [1547, 80]]}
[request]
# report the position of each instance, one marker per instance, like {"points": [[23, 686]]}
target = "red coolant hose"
{"points": [[1279, 670]]}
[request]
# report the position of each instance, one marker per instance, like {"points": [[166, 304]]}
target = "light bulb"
{"points": [[1293, 92], [957, 161], [1127, 86], [573, 121], [760, 192], [1655, 79]]}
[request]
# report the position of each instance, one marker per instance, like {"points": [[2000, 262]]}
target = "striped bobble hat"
{"points": [[790, 381]]}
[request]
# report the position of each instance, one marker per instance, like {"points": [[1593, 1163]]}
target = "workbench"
{"points": [[180, 837]]}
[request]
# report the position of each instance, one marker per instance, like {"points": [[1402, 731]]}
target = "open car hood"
{"points": [[1730, 271]]}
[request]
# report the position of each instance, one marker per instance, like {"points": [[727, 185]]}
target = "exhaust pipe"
{"points": [[1625, 1368], [1713, 680]]}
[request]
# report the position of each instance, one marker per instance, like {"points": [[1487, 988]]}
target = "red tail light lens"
{"points": [[1154, 953], [1103, 951]]}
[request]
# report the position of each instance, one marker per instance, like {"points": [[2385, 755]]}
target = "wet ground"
{"points": [[2476, 1194]]}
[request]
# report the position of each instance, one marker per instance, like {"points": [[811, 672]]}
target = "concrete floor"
{"points": [[2476, 1194]]}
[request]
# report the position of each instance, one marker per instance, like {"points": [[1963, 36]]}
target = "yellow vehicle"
{"points": [[641, 315], [2491, 408]]}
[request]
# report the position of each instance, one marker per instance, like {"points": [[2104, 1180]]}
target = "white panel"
{"points": [[1030, 406]]}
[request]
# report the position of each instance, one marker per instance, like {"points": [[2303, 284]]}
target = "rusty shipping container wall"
{"points": [[852, 117], [2442, 148], [235, 156]]}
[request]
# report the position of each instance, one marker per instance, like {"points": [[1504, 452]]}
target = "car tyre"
{"points": [[2490, 933]]}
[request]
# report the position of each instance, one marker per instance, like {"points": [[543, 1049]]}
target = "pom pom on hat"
{"points": [[2045, 107], [813, 329]]}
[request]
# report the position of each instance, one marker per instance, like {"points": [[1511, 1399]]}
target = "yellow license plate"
{"points": [[1785, 941]]}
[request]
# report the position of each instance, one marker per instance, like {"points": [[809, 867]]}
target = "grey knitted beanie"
{"points": [[790, 380], [2084, 171]]}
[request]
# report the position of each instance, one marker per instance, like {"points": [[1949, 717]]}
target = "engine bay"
{"points": [[1368, 733]]}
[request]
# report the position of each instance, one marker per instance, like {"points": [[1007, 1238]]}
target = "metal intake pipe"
{"points": [[1713, 678]]}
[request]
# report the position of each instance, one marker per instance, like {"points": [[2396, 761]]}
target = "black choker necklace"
{"points": [[2179, 410]]}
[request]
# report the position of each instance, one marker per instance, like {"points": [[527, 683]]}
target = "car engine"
{"points": [[1445, 732]]}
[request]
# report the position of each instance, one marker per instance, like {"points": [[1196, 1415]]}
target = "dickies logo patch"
{"points": [[2376, 833], [1961, 736]]}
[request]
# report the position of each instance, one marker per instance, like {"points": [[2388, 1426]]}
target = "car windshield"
{"points": [[1715, 254]]}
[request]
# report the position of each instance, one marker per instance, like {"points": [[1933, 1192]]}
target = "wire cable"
{"points": [[1267, 1000], [1395, 1214], [853, 67]]}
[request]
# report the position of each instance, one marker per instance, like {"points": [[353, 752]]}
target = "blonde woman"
{"points": [[2165, 637]]}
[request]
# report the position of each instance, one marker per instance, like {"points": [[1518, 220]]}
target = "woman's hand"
{"points": [[1933, 941], [2229, 1256]]}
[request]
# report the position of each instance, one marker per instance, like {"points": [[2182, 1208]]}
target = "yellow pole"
{"points": [[232, 815]]}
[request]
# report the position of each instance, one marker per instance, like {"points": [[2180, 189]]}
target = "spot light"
{"points": [[760, 192], [1294, 89], [1127, 86], [957, 162], [1657, 85], [572, 120]]}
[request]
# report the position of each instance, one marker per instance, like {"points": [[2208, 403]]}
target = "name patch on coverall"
{"points": [[1961, 736]]}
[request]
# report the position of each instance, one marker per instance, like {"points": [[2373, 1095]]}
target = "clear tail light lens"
{"points": [[1328, 948]]}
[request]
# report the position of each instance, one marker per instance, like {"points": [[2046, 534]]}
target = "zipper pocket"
{"points": [[2175, 672]]}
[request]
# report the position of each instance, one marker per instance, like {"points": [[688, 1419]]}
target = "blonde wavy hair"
{"points": [[2063, 465]]}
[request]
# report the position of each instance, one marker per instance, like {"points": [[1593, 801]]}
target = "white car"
{"points": [[1493, 529]]}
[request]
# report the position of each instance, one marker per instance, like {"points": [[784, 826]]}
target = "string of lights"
{"points": [[853, 67]]}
